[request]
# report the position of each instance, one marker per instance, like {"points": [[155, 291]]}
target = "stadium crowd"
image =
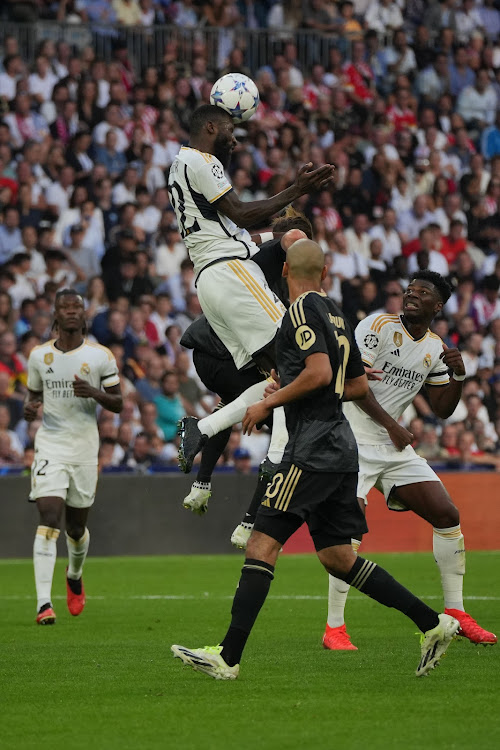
{"points": [[407, 108]]}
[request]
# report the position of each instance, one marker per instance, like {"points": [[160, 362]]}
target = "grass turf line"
{"points": [[107, 679]]}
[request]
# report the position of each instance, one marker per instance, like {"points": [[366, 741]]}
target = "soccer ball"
{"points": [[237, 94]]}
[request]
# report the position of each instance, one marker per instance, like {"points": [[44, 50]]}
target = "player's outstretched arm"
{"points": [[110, 398], [32, 403], [249, 214]]}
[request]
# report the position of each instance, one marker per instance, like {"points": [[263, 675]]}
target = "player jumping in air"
{"points": [[232, 289], [409, 356], [316, 481], [67, 375]]}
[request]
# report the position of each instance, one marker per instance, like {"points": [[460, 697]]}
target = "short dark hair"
{"points": [[206, 113], [67, 293], [443, 287], [292, 219]]}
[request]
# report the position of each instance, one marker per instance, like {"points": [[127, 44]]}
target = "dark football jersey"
{"points": [[319, 436]]}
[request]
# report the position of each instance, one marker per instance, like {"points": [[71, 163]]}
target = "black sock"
{"points": [[255, 580], [256, 500], [378, 584], [212, 451], [75, 585]]}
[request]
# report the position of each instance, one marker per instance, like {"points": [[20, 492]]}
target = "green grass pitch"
{"points": [[107, 679]]}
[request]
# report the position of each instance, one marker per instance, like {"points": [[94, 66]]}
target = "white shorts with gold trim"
{"points": [[385, 468], [76, 484], [240, 307]]}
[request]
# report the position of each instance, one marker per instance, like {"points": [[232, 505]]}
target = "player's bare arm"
{"points": [[400, 436], [444, 399], [109, 398], [356, 388], [317, 373], [32, 403], [249, 214]]}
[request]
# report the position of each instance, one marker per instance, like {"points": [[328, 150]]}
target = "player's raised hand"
{"points": [[453, 359], [255, 414], [400, 436], [82, 388], [31, 410], [309, 179]]}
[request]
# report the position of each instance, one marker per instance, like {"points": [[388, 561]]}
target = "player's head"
{"points": [[211, 128], [292, 219], [305, 262], [69, 312], [425, 297]]}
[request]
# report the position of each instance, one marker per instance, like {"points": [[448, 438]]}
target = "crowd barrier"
{"points": [[143, 515], [146, 45]]}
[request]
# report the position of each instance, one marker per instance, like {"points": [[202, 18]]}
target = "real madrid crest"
{"points": [[85, 369], [398, 338], [48, 358], [427, 360]]}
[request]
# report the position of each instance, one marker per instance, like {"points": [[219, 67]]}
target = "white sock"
{"points": [[44, 560], [279, 436], [449, 553], [337, 595], [232, 413], [77, 552]]}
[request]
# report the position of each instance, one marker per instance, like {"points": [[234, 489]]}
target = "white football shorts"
{"points": [[76, 484], [240, 307], [384, 467]]}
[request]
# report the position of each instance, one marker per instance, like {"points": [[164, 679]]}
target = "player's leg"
{"points": [[221, 377], [335, 637], [81, 494], [77, 541], [241, 534], [270, 533], [245, 315], [332, 525], [50, 510], [431, 501]]}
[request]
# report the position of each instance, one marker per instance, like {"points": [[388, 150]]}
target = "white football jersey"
{"points": [[407, 365], [69, 427], [196, 181]]}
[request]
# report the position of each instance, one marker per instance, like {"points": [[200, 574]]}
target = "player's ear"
{"points": [[284, 272], [210, 126], [324, 273]]}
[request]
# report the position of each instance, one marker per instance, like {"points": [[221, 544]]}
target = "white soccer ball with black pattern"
{"points": [[237, 94]]}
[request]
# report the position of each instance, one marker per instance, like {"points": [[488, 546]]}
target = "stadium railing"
{"points": [[146, 45]]}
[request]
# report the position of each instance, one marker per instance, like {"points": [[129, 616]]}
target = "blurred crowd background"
{"points": [[403, 97]]}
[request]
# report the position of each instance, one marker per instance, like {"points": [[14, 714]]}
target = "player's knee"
{"points": [[446, 517], [50, 518], [75, 531], [338, 560]]}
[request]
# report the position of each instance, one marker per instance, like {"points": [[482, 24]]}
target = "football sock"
{"points": [[77, 552], [449, 553], [212, 451], [44, 560], [337, 595], [378, 584], [232, 413], [256, 500], [279, 436], [253, 587]]}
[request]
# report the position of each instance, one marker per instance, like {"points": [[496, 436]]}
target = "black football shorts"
{"points": [[326, 502]]}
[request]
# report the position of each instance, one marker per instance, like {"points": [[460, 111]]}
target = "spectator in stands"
{"points": [[169, 405]]}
